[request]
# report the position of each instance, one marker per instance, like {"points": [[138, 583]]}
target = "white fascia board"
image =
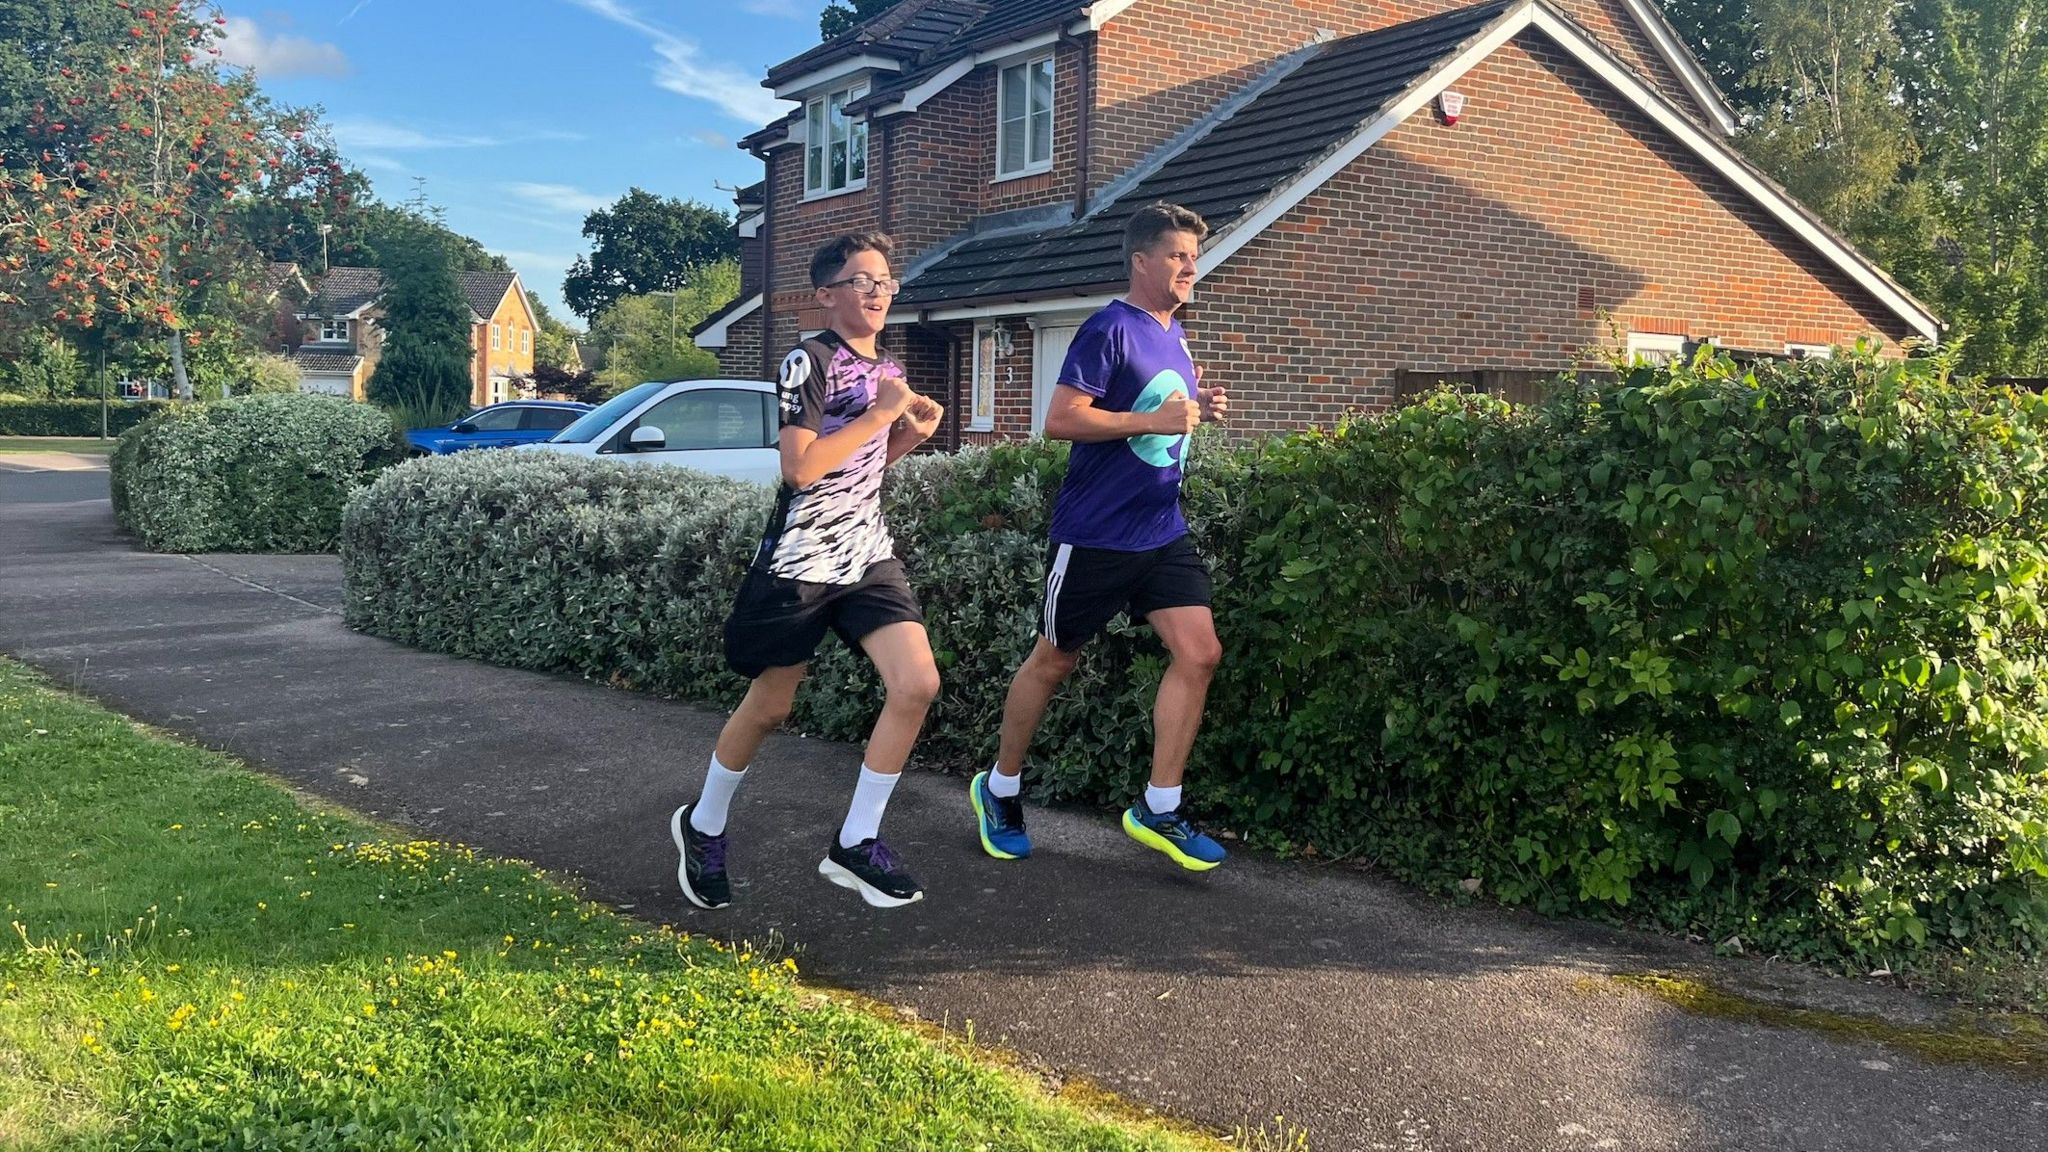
{"points": [[1682, 61], [719, 334], [834, 76], [941, 314], [914, 98]]}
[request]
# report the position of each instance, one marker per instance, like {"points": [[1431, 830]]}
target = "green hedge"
{"points": [[72, 417], [266, 473], [1754, 656]]}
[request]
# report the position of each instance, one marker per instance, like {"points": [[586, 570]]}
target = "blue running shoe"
{"points": [[1171, 833], [1002, 821]]}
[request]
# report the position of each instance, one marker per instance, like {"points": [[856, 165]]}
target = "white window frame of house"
{"points": [[334, 330], [1655, 347], [1036, 123], [497, 389], [525, 341], [1809, 352], [819, 131], [496, 345], [981, 407]]}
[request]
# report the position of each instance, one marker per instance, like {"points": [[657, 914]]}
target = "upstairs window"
{"points": [[835, 145], [1024, 118]]}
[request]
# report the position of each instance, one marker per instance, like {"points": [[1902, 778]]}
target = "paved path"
{"points": [[1376, 1019]]}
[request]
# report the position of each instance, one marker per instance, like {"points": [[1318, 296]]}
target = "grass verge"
{"points": [[194, 958], [84, 445]]}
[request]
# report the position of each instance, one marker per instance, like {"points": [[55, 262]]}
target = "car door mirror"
{"points": [[646, 439], [462, 427]]}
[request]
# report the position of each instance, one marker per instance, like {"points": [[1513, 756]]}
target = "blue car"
{"points": [[498, 426]]}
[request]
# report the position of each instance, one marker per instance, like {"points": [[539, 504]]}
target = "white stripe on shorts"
{"points": [[1053, 580]]}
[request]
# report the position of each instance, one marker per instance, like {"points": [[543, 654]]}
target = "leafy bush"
{"points": [[72, 417], [266, 473], [1750, 654]]}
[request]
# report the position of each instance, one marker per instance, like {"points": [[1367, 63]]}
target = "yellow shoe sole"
{"points": [[981, 822], [1154, 840]]}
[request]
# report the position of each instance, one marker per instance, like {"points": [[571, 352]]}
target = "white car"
{"points": [[724, 427]]}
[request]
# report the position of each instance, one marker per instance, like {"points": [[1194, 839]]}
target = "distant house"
{"points": [[1399, 192], [334, 338]]}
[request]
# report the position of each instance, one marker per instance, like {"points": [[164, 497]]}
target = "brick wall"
{"points": [[1499, 243], [1163, 64], [741, 356]]}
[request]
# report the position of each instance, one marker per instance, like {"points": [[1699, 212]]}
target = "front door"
{"points": [[1047, 358]]}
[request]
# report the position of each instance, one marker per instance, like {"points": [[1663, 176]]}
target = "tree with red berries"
{"points": [[121, 207]]}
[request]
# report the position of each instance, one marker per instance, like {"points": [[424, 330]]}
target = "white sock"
{"points": [[720, 783], [864, 816], [1162, 800], [1003, 787]]}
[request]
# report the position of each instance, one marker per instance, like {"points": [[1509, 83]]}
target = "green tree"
{"points": [[645, 243], [842, 16], [423, 375], [554, 341], [647, 337], [1722, 36], [1976, 76], [119, 208], [38, 40], [1830, 129]]}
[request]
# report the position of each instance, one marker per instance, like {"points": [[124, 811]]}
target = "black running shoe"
{"points": [[702, 871], [870, 869]]}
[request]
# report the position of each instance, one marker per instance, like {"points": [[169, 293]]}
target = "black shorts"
{"points": [[1086, 587], [779, 623]]}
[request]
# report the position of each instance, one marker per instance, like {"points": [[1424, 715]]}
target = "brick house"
{"points": [[335, 339], [1399, 190]]}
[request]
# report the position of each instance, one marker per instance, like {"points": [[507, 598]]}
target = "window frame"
{"points": [[1799, 351], [1651, 345], [818, 152], [496, 338], [328, 325], [981, 406], [1029, 118]]}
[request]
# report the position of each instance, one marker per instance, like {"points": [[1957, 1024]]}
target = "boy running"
{"points": [[827, 562], [1129, 396]]}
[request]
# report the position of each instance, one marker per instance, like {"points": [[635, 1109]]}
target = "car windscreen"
{"points": [[593, 423]]}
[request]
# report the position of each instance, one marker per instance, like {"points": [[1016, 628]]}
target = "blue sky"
{"points": [[522, 117]]}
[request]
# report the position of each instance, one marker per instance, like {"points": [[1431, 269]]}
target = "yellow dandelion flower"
{"points": [[369, 1009]]}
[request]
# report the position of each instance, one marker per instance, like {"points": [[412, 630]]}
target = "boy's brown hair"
{"points": [[831, 259]]}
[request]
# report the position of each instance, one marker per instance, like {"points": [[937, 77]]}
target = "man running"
{"points": [[827, 562], [1129, 396]]}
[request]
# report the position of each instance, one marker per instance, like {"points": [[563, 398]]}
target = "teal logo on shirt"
{"points": [[1159, 451]]}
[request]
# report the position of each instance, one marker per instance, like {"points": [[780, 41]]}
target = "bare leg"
{"points": [[1031, 692], [903, 655], [1190, 638], [767, 705]]}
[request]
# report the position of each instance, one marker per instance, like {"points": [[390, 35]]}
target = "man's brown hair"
{"points": [[1152, 221], [832, 258]]}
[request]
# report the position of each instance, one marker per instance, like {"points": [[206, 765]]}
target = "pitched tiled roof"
{"points": [[906, 31], [277, 274], [341, 291], [1254, 152], [485, 290], [325, 361]]}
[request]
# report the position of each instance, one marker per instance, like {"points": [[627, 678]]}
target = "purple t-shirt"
{"points": [[1124, 495]]}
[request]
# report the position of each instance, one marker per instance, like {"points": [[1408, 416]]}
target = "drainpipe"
{"points": [[768, 268], [882, 213], [1083, 48]]}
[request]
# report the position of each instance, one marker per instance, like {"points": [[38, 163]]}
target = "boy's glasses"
{"points": [[867, 285]]}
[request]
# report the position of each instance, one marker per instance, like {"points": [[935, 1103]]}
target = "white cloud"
{"points": [[242, 42], [710, 139], [376, 162], [788, 9], [682, 70], [362, 132], [560, 197]]}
